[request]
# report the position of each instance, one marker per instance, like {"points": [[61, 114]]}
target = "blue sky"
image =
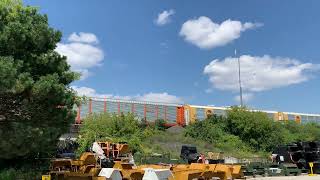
{"points": [[182, 52]]}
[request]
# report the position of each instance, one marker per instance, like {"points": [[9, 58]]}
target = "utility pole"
{"points": [[239, 70]]}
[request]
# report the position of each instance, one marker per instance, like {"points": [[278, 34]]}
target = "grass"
{"points": [[13, 174]]}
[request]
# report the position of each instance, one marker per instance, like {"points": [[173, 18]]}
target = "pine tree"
{"points": [[36, 101]]}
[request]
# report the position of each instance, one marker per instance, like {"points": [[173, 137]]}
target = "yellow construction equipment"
{"points": [[206, 171], [89, 167], [127, 171], [84, 167]]}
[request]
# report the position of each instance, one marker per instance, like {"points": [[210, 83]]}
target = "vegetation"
{"points": [[143, 139], [10, 174], [36, 102], [213, 130], [241, 133], [123, 128], [36, 107], [250, 131], [301, 132]]}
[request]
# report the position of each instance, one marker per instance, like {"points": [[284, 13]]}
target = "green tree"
{"points": [[36, 101], [112, 127], [254, 128], [208, 130], [212, 130], [302, 132]]}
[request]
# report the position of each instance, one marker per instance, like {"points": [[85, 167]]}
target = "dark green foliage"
{"points": [[208, 130], [35, 99], [254, 128], [143, 139], [246, 131], [302, 132], [213, 130], [116, 128], [241, 134], [11, 174], [160, 124]]}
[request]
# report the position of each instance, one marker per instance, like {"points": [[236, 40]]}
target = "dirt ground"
{"points": [[302, 177]]}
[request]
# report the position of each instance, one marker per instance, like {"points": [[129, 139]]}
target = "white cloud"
{"points": [[207, 34], [84, 73], [86, 91], [83, 38], [246, 97], [159, 97], [82, 52], [164, 17], [81, 56], [150, 97], [258, 73]]}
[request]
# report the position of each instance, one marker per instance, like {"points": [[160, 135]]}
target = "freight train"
{"points": [[174, 114]]}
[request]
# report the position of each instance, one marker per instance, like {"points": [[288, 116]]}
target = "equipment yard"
{"points": [[302, 177], [133, 90]]}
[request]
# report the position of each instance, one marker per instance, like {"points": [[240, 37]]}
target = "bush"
{"points": [[113, 127], [207, 130], [108, 127], [11, 174], [241, 133], [212, 130], [254, 128], [302, 132], [246, 130], [160, 124]]}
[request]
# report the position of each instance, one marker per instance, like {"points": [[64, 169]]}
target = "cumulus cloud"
{"points": [[258, 73], [86, 91], [164, 17], [82, 52], [84, 73], [81, 56], [159, 97], [150, 97], [83, 37], [206, 34]]}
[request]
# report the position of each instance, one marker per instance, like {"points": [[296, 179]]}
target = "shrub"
{"points": [[10, 174], [302, 132], [113, 127], [254, 128], [206, 130], [246, 130], [160, 124]]}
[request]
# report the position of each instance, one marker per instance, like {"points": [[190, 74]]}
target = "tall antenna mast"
{"points": [[239, 70]]}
